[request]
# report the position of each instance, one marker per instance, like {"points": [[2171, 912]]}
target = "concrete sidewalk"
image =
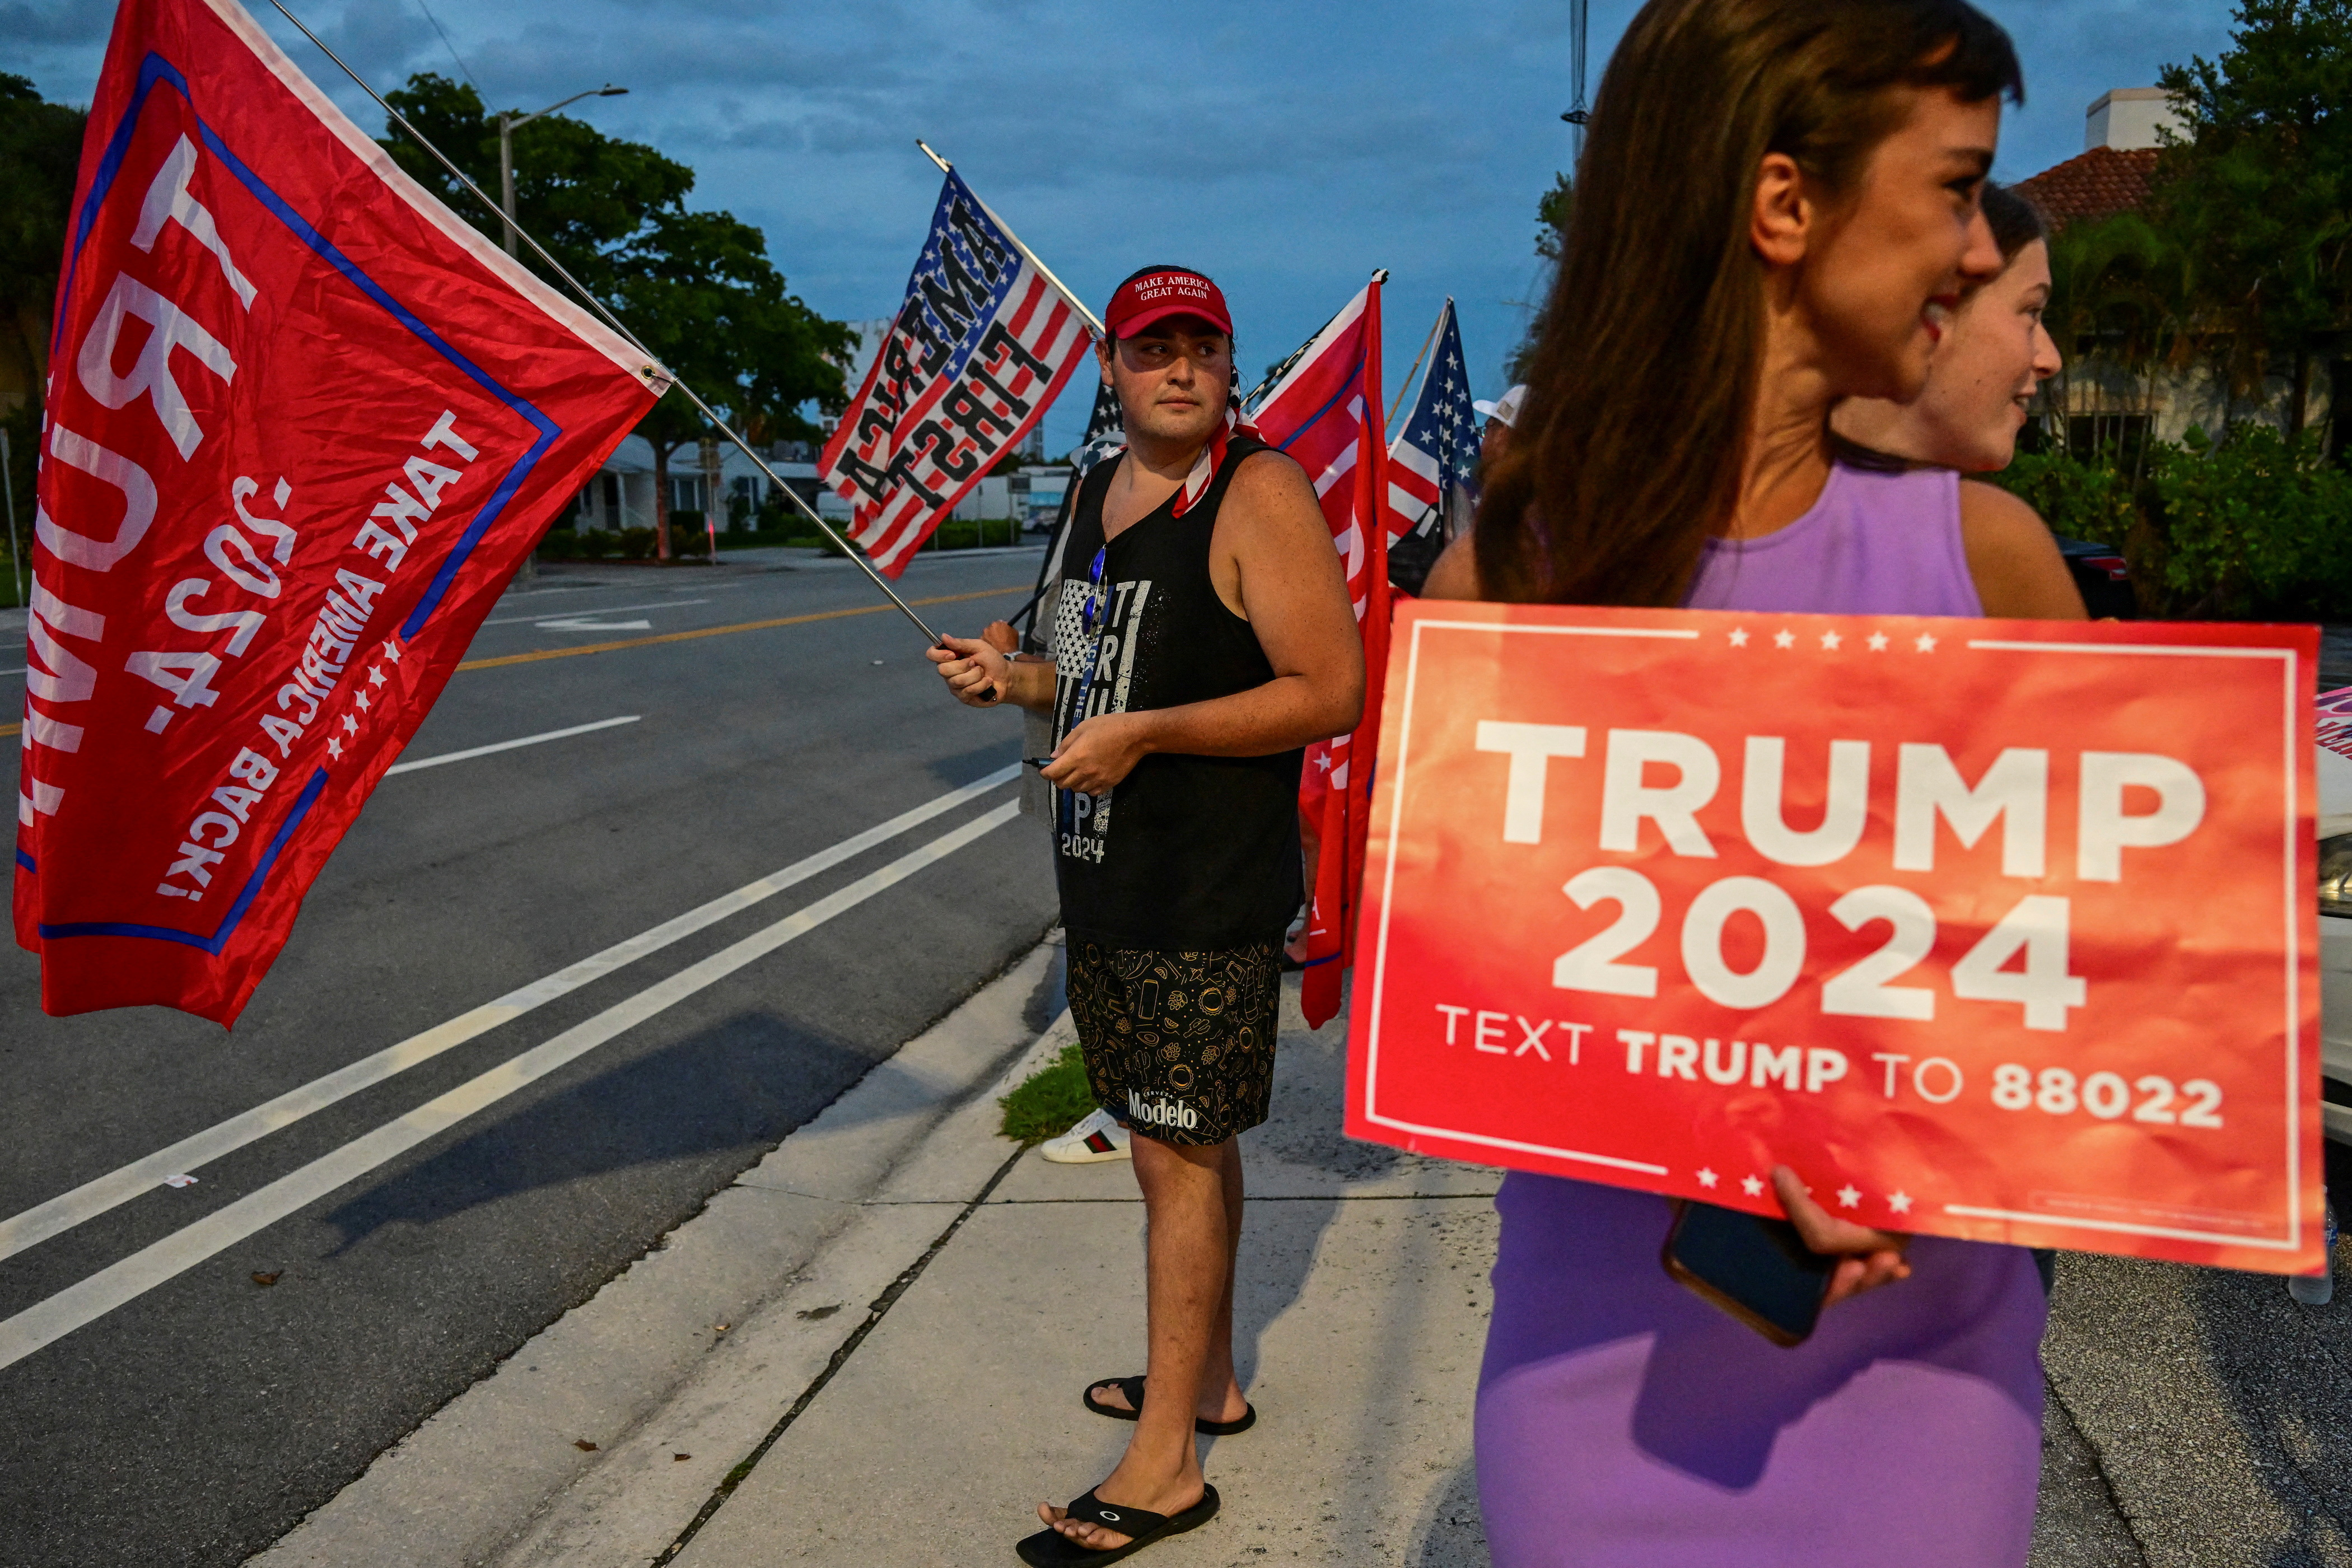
{"points": [[872, 1346], [1359, 1320]]}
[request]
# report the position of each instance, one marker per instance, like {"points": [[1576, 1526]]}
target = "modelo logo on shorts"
{"points": [[1176, 1115]]}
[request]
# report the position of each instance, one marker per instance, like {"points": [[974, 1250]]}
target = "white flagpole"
{"points": [[1077, 304], [1416, 365]]}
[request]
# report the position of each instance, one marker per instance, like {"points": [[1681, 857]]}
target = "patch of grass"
{"points": [[1049, 1102]]}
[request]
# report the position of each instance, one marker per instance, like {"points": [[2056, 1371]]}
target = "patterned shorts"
{"points": [[1178, 1045]]}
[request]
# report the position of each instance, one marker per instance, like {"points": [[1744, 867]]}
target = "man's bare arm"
{"points": [[1274, 563]]}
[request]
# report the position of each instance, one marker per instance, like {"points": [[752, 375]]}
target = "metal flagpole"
{"points": [[1075, 303], [1404, 386], [857, 556]]}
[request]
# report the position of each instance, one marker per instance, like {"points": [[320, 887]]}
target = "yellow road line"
{"points": [[8, 729], [722, 631]]}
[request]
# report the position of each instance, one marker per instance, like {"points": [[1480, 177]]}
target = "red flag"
{"points": [[303, 424], [1326, 412]]}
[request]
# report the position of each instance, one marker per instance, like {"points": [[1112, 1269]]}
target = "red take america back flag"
{"points": [[974, 358], [303, 424], [1325, 410]]}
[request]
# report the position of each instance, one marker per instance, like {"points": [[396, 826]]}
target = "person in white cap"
{"points": [[1502, 414]]}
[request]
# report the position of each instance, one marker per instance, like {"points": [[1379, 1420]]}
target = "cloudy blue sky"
{"points": [[1287, 149]]}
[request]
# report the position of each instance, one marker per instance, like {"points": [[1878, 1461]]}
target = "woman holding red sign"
{"points": [[1778, 208]]}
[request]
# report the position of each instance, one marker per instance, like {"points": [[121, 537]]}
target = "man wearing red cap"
{"points": [[1202, 636]]}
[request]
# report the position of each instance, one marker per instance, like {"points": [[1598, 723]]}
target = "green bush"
{"points": [[2253, 525], [2078, 500]]}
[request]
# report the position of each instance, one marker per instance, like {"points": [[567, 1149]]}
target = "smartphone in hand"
{"points": [[1759, 1271]]}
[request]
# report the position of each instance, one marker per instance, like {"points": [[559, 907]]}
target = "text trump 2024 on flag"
{"points": [[974, 358], [303, 424]]}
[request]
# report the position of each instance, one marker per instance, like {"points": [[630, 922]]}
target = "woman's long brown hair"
{"points": [[1643, 388]]}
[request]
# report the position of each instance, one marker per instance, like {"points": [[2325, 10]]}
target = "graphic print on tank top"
{"points": [[1189, 852], [1082, 822]]}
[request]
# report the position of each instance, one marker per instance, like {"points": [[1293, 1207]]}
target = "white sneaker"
{"points": [[1097, 1137]]}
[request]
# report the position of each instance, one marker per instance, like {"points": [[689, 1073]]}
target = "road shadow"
{"points": [[726, 1095]]}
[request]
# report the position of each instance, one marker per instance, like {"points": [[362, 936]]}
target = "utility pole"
{"points": [[714, 492], [9, 482], [1580, 15]]}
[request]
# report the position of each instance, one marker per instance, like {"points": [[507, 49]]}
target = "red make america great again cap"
{"points": [[1165, 291]]}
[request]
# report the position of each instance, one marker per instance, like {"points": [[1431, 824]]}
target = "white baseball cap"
{"points": [[1506, 407]]}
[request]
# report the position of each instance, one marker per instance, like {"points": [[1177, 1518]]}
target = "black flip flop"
{"points": [[1052, 1549], [1133, 1388]]}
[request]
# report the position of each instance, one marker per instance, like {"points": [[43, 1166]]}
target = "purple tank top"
{"points": [[1623, 1422], [1882, 544]]}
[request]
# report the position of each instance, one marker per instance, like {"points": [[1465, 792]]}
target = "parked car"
{"points": [[2335, 779], [2103, 577]]}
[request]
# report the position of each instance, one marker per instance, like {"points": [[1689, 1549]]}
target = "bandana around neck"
{"points": [[1212, 458]]}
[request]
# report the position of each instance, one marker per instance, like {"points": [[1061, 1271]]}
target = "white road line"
{"points": [[507, 745], [598, 610], [48, 1321], [94, 1198]]}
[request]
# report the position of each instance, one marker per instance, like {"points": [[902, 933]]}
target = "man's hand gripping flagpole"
{"points": [[857, 556]]}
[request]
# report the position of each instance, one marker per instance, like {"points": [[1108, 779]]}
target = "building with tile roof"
{"points": [[2094, 184], [2101, 403]]}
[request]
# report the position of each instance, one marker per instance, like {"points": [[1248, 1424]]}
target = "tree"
{"points": [[2258, 194], [700, 294], [695, 287], [40, 149], [1554, 209]]}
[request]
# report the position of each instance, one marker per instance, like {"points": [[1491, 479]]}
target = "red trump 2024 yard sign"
{"points": [[2000, 930]]}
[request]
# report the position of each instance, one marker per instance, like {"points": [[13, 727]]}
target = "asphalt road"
{"points": [[199, 1419]]}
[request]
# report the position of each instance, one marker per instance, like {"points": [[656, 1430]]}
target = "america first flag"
{"points": [[976, 355]]}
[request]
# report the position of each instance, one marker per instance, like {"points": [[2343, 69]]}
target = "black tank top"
{"points": [[1197, 853]]}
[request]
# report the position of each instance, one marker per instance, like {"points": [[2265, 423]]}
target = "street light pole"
{"points": [[507, 125]]}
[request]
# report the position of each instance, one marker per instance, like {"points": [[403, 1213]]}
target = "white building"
{"points": [[621, 495]]}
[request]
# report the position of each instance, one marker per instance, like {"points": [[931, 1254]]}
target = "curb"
{"points": [[605, 1433]]}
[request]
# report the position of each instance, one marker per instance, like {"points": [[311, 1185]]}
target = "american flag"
{"points": [[1106, 435], [977, 354], [1437, 450]]}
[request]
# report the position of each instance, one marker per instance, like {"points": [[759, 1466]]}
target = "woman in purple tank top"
{"points": [[1675, 449]]}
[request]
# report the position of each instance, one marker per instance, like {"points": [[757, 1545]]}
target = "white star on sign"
{"points": [[1878, 642], [1708, 1178], [334, 747], [1739, 637], [391, 651], [1784, 639], [375, 676], [1751, 1186], [1848, 1195], [1925, 642], [360, 700], [1830, 641], [1899, 1201], [350, 725]]}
